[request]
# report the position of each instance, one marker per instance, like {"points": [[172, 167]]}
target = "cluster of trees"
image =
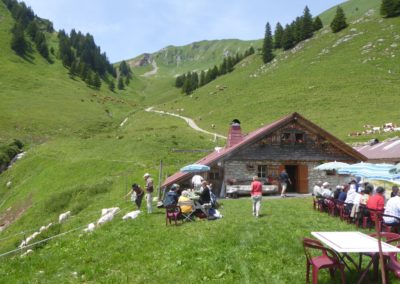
{"points": [[192, 80], [27, 21], [124, 75], [287, 37], [8, 152], [84, 58], [390, 8]]}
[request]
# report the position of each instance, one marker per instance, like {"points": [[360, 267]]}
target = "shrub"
{"points": [[76, 198]]}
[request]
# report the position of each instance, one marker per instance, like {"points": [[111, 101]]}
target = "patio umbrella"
{"points": [[395, 169], [195, 168], [371, 171], [331, 166]]}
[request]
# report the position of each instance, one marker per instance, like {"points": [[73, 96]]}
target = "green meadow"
{"points": [[235, 249], [79, 158]]}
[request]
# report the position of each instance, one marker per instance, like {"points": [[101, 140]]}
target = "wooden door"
{"points": [[302, 179]]}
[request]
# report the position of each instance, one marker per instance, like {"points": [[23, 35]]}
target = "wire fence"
{"points": [[52, 237]]}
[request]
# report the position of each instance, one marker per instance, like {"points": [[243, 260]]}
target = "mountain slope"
{"points": [[341, 81], [39, 100]]}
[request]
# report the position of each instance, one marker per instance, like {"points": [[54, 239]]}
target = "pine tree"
{"points": [[287, 38], [195, 81], [124, 69], [111, 86], [278, 36], [74, 69], [390, 8], [317, 24], [267, 45], [179, 81], [202, 81], [223, 67], [18, 41], [229, 65], [96, 81], [89, 79], [307, 29], [339, 21], [120, 83], [251, 50], [214, 73]]}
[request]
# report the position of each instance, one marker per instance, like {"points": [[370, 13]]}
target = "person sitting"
{"points": [[392, 208], [326, 191], [185, 202], [337, 191], [343, 193], [395, 191], [172, 196], [377, 201], [366, 194], [351, 194], [317, 191], [204, 193]]}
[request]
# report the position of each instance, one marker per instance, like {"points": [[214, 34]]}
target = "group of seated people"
{"points": [[359, 200], [200, 198]]}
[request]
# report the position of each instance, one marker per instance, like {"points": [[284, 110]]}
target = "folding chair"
{"points": [[187, 216], [172, 213]]}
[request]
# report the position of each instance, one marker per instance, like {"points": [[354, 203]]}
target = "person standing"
{"points": [[284, 180], [149, 192], [256, 195], [137, 194]]}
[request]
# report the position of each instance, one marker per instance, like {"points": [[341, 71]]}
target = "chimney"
{"points": [[235, 133]]}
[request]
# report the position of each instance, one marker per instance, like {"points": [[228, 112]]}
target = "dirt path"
{"points": [[189, 121], [152, 72]]}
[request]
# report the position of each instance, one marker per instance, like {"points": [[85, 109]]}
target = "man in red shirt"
{"points": [[256, 195]]}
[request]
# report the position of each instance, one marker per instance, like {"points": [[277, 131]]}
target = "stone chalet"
{"points": [[292, 142]]}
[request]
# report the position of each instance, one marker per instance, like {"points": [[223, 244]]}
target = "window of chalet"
{"points": [[286, 138], [299, 138], [214, 175], [262, 171]]}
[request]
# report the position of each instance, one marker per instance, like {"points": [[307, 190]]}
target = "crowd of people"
{"points": [[198, 199], [359, 199]]}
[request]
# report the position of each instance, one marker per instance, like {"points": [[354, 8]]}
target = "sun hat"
{"points": [[325, 183], [146, 175]]}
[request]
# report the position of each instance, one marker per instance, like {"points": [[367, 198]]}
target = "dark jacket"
{"points": [[171, 198]]}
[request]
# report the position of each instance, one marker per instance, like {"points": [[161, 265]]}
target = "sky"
{"points": [[127, 28]]}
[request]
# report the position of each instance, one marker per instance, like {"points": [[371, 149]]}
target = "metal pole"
{"points": [[160, 180]]}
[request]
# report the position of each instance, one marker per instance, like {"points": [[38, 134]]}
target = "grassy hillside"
{"points": [[80, 159], [39, 100], [341, 81]]}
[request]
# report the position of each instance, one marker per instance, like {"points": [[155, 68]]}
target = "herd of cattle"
{"points": [[370, 129]]}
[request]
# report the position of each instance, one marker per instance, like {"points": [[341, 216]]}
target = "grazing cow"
{"points": [[367, 126], [388, 125]]}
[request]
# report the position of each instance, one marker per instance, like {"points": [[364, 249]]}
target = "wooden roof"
{"points": [[216, 156]]}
